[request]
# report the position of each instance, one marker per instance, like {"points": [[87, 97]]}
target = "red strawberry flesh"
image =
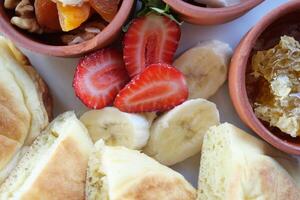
{"points": [[159, 87], [150, 39], [99, 77]]}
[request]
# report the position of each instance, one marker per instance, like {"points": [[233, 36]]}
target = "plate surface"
{"points": [[58, 73]]}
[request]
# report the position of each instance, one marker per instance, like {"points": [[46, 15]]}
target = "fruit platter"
{"points": [[141, 100]]}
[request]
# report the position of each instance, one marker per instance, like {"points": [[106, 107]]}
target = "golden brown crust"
{"points": [[63, 177], [14, 119], [159, 186]]}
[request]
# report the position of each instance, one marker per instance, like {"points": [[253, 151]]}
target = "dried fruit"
{"points": [[47, 15], [106, 8], [71, 17]]}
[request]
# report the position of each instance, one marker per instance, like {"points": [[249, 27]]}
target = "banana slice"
{"points": [[178, 134], [205, 67], [117, 128]]}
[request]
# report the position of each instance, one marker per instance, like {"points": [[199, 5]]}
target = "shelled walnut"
{"points": [[29, 24], [24, 9], [11, 4], [25, 16], [84, 33]]}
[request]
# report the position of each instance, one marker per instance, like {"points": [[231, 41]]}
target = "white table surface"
{"points": [[58, 72]]}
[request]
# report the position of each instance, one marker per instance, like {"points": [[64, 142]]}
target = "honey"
{"points": [[276, 73]]}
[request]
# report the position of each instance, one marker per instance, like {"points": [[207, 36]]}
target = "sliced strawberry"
{"points": [[150, 39], [159, 87], [99, 77]]}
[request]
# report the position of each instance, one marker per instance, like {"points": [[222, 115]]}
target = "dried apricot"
{"points": [[106, 8], [47, 15], [71, 17]]}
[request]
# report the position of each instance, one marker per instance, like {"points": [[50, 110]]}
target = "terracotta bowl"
{"points": [[282, 21], [209, 16], [34, 43]]}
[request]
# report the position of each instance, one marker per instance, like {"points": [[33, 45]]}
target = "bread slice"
{"points": [[55, 165], [237, 166], [25, 105], [118, 173]]}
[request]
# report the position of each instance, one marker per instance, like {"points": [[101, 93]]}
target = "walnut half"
{"points": [[29, 24], [25, 18], [25, 9], [11, 4], [84, 33]]}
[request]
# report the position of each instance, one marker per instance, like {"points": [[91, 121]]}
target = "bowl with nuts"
{"points": [[64, 28]]}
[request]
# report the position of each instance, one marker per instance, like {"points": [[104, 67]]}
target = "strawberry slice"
{"points": [[159, 87], [150, 39], [99, 77]]}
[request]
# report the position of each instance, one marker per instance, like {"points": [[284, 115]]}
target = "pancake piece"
{"points": [[36, 97], [25, 104], [55, 165], [11, 164], [236, 165], [118, 173], [7, 147]]}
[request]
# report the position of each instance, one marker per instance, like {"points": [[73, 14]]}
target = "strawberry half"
{"points": [[99, 77], [150, 39], [159, 87]]}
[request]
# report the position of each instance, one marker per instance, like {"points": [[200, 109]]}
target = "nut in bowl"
{"points": [[74, 27], [263, 78], [209, 12]]}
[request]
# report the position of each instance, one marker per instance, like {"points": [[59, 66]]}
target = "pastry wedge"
{"points": [[118, 173], [25, 105], [237, 166], [55, 165]]}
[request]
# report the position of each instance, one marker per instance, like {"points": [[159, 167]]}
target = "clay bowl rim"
{"points": [[110, 31], [193, 11], [237, 72]]}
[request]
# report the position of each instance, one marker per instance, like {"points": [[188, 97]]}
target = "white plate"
{"points": [[58, 72]]}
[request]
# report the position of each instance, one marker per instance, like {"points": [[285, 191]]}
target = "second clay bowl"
{"points": [[209, 16], [264, 35]]}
